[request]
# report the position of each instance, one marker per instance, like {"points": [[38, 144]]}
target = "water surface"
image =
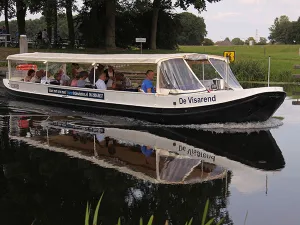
{"points": [[54, 161]]}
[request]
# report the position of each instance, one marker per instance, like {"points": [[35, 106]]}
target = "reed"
{"points": [[150, 221]]}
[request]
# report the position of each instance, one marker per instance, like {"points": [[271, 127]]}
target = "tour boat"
{"points": [[159, 155], [208, 94]]}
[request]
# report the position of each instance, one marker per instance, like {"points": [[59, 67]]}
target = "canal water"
{"points": [[54, 161]]}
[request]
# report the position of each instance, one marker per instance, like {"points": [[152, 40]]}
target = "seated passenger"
{"points": [[100, 84], [110, 73], [82, 77], [121, 82], [76, 69], [98, 71], [30, 74], [75, 81], [65, 79], [147, 85], [37, 77], [109, 83], [45, 80]]}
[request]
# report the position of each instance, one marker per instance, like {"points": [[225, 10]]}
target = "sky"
{"points": [[239, 18]]}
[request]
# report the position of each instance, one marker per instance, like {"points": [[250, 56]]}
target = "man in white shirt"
{"points": [[65, 79], [100, 84]]}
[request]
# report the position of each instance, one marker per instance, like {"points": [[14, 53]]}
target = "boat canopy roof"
{"points": [[107, 58]]}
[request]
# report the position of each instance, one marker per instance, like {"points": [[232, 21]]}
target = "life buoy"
{"points": [[26, 67]]}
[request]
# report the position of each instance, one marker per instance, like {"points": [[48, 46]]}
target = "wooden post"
{"points": [[23, 44]]}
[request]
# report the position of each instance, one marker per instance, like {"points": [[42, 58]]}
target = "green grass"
{"points": [[283, 57]]}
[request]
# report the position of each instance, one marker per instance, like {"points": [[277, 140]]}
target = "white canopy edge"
{"points": [[106, 58]]}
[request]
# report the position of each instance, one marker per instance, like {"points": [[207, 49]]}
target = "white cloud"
{"points": [[225, 15]]}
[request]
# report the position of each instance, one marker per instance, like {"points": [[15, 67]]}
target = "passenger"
{"points": [[57, 79], [147, 85], [30, 74], [82, 77], [121, 82], [76, 69], [75, 81], [100, 84], [45, 80], [110, 73], [98, 71], [37, 77], [110, 83], [65, 79]]}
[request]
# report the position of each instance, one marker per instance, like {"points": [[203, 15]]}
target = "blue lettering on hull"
{"points": [[85, 94]]}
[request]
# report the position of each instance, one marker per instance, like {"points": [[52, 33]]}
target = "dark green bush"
{"points": [[249, 70]]}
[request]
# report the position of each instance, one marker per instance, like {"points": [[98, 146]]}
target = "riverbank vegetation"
{"points": [[88, 215]]}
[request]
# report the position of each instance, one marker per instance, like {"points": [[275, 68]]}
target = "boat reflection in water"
{"points": [[159, 155]]}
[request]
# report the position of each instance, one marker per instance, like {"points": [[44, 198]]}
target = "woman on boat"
{"points": [[75, 81], [29, 76]]}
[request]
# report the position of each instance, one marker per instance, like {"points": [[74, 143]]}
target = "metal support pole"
{"points": [[203, 70], [269, 71], [157, 164], [95, 74], [48, 137], [95, 148], [141, 48], [46, 72], [227, 73], [9, 69]]}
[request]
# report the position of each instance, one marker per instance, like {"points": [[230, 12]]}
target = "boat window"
{"points": [[175, 74], [205, 72], [220, 66]]}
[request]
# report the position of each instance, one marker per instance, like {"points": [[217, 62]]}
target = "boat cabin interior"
{"points": [[174, 73]]}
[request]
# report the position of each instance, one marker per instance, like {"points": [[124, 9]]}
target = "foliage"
{"points": [[36, 25], [285, 31], [208, 42], [150, 222], [193, 29], [132, 20], [247, 42], [262, 41], [249, 70], [237, 41]]}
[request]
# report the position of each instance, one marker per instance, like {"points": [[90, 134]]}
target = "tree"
{"points": [[247, 42], [110, 29], [237, 41], [69, 6], [193, 29], [7, 6], [158, 5], [279, 31], [208, 42], [21, 9], [262, 41]]}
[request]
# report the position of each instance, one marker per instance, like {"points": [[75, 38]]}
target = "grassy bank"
{"points": [[283, 57]]}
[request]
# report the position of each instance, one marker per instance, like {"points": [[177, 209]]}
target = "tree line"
{"points": [[284, 31], [114, 23]]}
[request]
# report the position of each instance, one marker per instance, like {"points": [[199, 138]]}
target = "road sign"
{"points": [[142, 40], [230, 55]]}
